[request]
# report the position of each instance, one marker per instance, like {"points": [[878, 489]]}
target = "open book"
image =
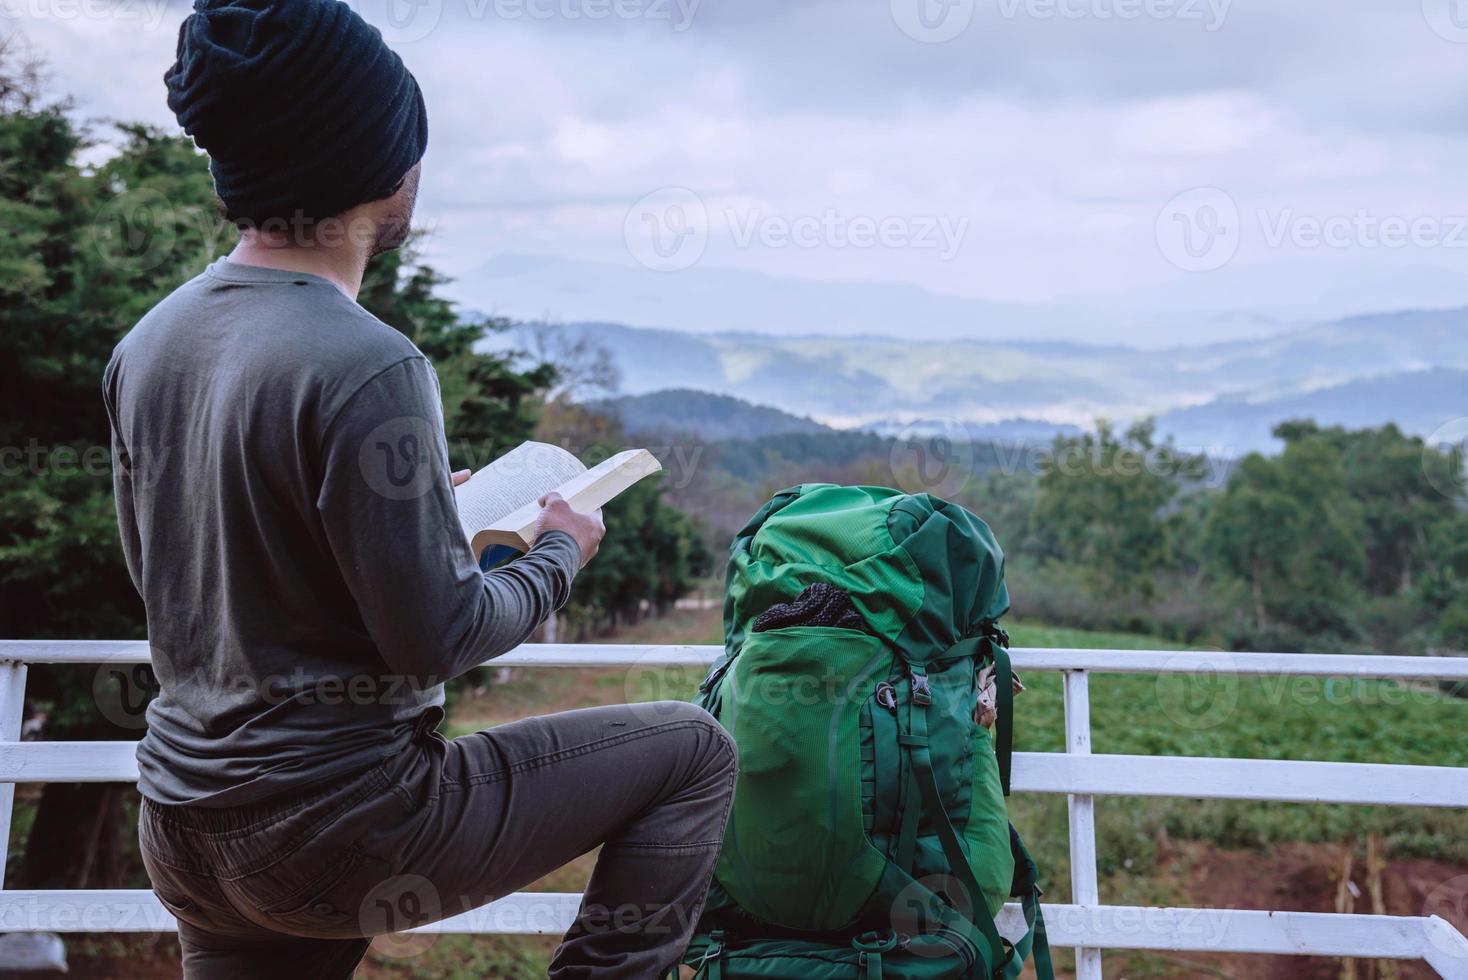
{"points": [[498, 505]]}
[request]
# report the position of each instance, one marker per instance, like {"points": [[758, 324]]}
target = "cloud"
{"points": [[1052, 132]]}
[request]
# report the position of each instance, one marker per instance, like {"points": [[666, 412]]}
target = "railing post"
{"points": [[12, 712], [1083, 886]]}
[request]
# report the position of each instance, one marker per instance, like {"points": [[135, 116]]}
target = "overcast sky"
{"points": [[1295, 160]]}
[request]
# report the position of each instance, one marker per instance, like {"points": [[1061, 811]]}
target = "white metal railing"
{"points": [[1085, 924]]}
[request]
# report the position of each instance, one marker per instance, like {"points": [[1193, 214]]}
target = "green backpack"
{"points": [[868, 836]]}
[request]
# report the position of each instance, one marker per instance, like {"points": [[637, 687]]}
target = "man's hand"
{"points": [[557, 515], [460, 477]]}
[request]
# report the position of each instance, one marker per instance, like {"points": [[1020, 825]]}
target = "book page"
{"points": [[516, 479], [585, 492]]}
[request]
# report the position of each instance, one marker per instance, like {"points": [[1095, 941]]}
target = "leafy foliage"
{"points": [[1344, 539], [1102, 501]]}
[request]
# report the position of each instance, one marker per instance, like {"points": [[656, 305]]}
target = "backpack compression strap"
{"points": [[920, 775], [1028, 892], [993, 645], [1000, 955]]}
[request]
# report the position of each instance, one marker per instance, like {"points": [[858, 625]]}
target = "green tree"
{"points": [[490, 405], [653, 552], [1402, 507], [83, 254], [1289, 528], [1102, 505]]}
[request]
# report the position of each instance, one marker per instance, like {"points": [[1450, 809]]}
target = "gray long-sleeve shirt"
{"points": [[283, 493]]}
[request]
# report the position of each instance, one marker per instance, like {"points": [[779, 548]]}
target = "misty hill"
{"points": [[1016, 431], [1418, 402], [708, 416], [878, 382]]}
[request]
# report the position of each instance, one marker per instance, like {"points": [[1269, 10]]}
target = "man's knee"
{"points": [[716, 749]]}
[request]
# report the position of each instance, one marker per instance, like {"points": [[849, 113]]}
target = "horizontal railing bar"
{"points": [[1027, 658], [1183, 777], [1099, 926], [1274, 780]]}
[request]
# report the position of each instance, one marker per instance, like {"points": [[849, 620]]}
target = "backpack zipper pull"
{"points": [[886, 696]]}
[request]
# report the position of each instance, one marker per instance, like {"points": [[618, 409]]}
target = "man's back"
{"points": [[220, 398]]}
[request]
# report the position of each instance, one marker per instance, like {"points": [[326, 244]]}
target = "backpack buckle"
{"points": [[994, 632], [922, 694], [874, 941]]}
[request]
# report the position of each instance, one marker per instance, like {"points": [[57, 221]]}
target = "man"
{"points": [[287, 514]]}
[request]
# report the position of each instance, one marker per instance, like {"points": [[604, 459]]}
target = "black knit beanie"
{"points": [[302, 108]]}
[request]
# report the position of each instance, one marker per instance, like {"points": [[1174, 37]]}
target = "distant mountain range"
{"points": [[698, 413], [1410, 368], [1418, 402]]}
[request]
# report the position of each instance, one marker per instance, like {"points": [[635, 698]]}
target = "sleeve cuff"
{"points": [[560, 547]]}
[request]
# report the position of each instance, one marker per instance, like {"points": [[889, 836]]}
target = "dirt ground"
{"points": [[1294, 878]]}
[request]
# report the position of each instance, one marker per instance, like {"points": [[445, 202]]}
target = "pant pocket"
{"points": [[332, 903]]}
